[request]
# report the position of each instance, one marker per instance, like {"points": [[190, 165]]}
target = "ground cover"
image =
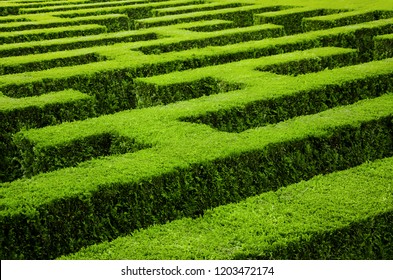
{"points": [[118, 115]]}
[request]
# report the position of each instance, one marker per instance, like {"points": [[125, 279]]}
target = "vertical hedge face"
{"points": [[117, 115]]}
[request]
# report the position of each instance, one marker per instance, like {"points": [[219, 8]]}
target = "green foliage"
{"points": [[113, 22], [193, 8], [241, 16], [291, 103], [343, 215], [218, 38], [383, 46], [106, 130], [156, 185], [50, 109], [39, 62], [291, 19], [50, 33], [150, 94], [342, 19], [74, 43], [132, 10]]}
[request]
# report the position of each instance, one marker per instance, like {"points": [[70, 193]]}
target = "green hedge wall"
{"points": [[59, 226], [344, 215]]}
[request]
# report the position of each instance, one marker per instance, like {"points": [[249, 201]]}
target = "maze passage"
{"points": [[117, 115]]}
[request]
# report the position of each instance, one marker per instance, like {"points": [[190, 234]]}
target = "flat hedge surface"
{"points": [[343, 215], [148, 129]]}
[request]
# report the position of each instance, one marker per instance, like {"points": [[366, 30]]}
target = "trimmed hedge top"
{"points": [[355, 205], [117, 115]]}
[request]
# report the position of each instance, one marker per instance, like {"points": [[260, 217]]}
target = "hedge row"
{"points": [[39, 62], [342, 19], [134, 11], [211, 25], [324, 90], [97, 86], [191, 170], [193, 8], [80, 6], [304, 102], [148, 95], [46, 81], [217, 38], [4, 11], [43, 110], [72, 6], [253, 106], [383, 46], [50, 33], [175, 86], [113, 23], [361, 38], [360, 35], [74, 43], [9, 19], [103, 81], [40, 111], [291, 19], [341, 56], [143, 167], [327, 60], [356, 36], [231, 120], [42, 82], [7, 51], [72, 153], [241, 16], [10, 8], [343, 215]]}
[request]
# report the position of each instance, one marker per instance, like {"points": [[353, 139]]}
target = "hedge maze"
{"points": [[196, 129]]}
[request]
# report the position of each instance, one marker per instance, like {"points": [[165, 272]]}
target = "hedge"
{"points": [[113, 22], [133, 11], [217, 38], [39, 111], [105, 135], [343, 215], [342, 19], [50, 33], [253, 106], [177, 86], [193, 8], [39, 62], [211, 25], [74, 43], [153, 65], [383, 46], [76, 6], [241, 16], [291, 19], [187, 170]]}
